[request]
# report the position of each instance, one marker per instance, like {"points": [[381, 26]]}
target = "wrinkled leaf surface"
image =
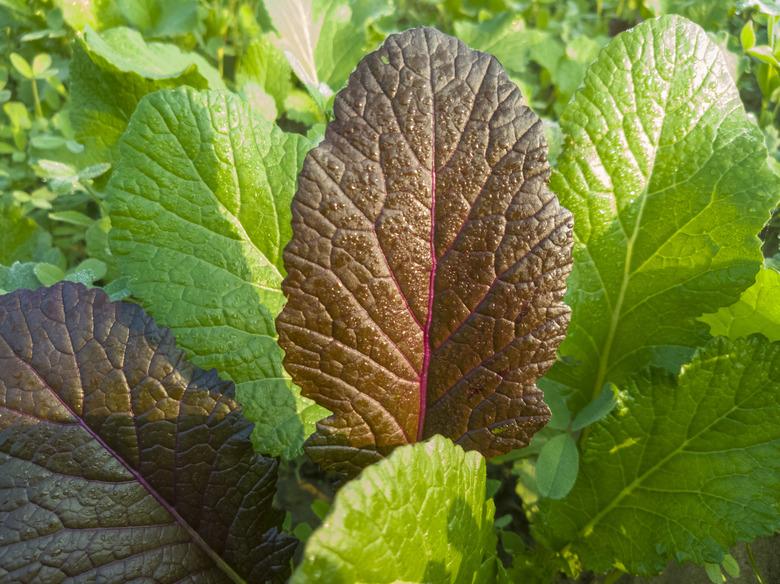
{"points": [[668, 182], [695, 462], [419, 516], [428, 258], [200, 212], [119, 460]]}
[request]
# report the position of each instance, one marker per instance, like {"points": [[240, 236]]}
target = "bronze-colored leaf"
{"points": [[428, 258]]}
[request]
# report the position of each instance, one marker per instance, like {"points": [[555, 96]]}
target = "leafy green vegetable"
{"points": [[200, 210], [324, 39], [119, 460], [757, 310], [668, 182], [695, 462], [428, 258], [113, 70], [419, 516], [265, 65], [125, 50]]}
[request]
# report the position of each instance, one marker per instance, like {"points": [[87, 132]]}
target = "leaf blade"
{"points": [[102, 416], [666, 464], [431, 314], [199, 167], [453, 537], [756, 311], [668, 182]]}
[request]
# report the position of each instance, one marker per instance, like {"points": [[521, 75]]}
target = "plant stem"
{"points": [[753, 565], [36, 98]]}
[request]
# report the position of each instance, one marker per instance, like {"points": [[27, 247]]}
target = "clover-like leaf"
{"points": [[419, 516], [428, 258], [200, 212], [119, 460], [695, 462], [668, 182]]}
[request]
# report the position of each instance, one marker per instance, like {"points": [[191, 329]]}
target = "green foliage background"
{"points": [[74, 73]]}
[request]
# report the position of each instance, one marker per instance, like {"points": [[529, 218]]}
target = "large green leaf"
{"points": [[418, 516], [757, 310], [110, 73], [200, 212], [668, 183], [682, 470], [119, 460]]}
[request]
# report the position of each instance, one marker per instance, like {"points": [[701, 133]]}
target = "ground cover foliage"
{"points": [[362, 291]]}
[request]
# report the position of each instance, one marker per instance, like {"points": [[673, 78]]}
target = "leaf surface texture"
{"points": [[119, 460], [695, 462], [428, 258], [200, 211], [668, 183], [756, 311], [419, 516]]}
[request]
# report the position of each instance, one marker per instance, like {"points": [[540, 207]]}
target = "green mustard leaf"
{"points": [[124, 49], [200, 212], [757, 310], [694, 462], [98, 14], [264, 63], [419, 515], [324, 39], [110, 73], [668, 183]]}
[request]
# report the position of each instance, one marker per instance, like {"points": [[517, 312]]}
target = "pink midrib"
{"points": [[431, 282], [140, 479]]}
